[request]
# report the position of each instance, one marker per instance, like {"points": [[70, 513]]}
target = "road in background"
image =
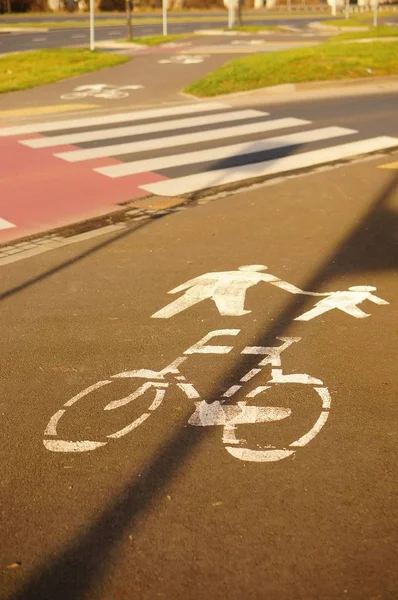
{"points": [[54, 38]]}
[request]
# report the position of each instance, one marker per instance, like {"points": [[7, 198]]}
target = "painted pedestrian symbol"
{"points": [[346, 301], [227, 289]]}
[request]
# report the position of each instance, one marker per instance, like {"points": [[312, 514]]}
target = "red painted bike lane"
{"points": [[39, 192]]}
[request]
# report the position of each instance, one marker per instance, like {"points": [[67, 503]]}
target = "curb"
{"points": [[24, 30], [301, 87], [335, 28], [147, 208]]}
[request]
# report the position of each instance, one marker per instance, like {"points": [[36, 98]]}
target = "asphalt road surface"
{"points": [[65, 18], [54, 38], [259, 461]]}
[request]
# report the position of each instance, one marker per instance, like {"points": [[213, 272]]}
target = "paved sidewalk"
{"points": [[170, 508]]}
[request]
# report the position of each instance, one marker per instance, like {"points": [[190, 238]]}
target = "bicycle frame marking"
{"points": [[216, 413]]}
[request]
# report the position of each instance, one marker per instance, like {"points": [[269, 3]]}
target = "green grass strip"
{"points": [[316, 63], [157, 40], [256, 28], [374, 32], [30, 69]]}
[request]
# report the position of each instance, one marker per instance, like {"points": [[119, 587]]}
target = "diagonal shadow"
{"points": [[68, 263], [80, 566], [219, 165]]}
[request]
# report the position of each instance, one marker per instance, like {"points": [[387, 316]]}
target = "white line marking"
{"points": [[6, 224], [248, 455], [179, 140], [201, 346], [41, 39], [65, 446], [191, 183], [51, 428], [114, 133], [118, 118], [303, 441], [93, 387], [79, 35], [231, 391], [250, 375], [130, 427], [189, 158]]}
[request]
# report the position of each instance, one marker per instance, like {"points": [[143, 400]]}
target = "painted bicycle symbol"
{"points": [[183, 59], [159, 384], [227, 290], [101, 90]]}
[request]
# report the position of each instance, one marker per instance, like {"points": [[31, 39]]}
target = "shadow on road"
{"points": [[222, 164], [80, 566]]}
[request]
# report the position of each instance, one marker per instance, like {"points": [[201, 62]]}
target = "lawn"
{"points": [[316, 63], [374, 32], [156, 40], [29, 69], [256, 28]]}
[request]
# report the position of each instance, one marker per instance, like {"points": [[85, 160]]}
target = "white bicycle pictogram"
{"points": [[100, 90], [221, 412]]}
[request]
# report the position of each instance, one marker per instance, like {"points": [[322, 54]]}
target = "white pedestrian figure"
{"points": [[227, 289], [346, 301]]}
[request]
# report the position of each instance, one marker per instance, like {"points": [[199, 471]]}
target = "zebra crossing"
{"points": [[195, 146]]}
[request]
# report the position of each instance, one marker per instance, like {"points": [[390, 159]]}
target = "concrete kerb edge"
{"points": [[315, 86], [149, 207]]}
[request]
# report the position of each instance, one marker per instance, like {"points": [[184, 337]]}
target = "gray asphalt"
{"points": [[64, 18], [166, 511], [54, 38]]}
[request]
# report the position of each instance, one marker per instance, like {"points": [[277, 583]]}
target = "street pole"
{"points": [[128, 15], [347, 9], [164, 14], [375, 11], [92, 8], [231, 14], [334, 11]]}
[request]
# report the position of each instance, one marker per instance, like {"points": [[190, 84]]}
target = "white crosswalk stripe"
{"points": [[191, 183], [194, 146], [154, 164], [117, 118], [179, 140], [6, 224], [108, 134]]}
